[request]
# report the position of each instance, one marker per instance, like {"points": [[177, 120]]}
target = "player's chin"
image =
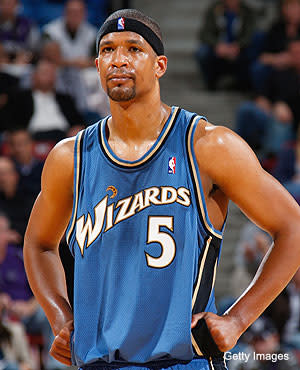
{"points": [[122, 93]]}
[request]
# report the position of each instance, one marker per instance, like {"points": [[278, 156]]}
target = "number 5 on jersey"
{"points": [[166, 241]]}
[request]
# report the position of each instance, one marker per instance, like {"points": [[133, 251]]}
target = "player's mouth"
{"points": [[120, 77], [120, 80]]}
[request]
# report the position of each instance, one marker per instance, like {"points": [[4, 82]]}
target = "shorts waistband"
{"points": [[152, 365]]}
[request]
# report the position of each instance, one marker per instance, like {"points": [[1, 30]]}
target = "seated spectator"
{"points": [[15, 203], [273, 118], [21, 146], [46, 113], [17, 33], [17, 298], [14, 349], [82, 85], [225, 36], [275, 55], [75, 36], [287, 168], [77, 74], [69, 80]]}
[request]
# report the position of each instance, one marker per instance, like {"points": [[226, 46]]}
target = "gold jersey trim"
{"points": [[197, 180], [206, 247], [152, 151], [78, 159]]}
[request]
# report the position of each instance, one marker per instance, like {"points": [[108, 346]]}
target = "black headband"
{"points": [[128, 24]]}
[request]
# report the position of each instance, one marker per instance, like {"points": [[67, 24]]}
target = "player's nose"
{"points": [[120, 58]]}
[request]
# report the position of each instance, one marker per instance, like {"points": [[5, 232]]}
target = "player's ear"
{"points": [[161, 65], [97, 63]]}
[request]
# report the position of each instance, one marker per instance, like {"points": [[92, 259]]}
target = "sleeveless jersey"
{"points": [[145, 251]]}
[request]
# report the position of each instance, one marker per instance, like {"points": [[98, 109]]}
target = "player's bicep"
{"points": [[53, 207], [240, 176], [262, 199]]}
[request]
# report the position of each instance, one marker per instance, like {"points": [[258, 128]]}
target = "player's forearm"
{"points": [[47, 280], [276, 270]]}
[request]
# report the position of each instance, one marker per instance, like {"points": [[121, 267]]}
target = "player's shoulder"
{"points": [[61, 157], [209, 136], [59, 165], [218, 146], [64, 148]]}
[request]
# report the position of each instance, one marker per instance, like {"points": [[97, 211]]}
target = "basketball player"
{"points": [[144, 194]]}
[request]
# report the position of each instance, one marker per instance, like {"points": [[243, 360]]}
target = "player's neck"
{"points": [[137, 121]]}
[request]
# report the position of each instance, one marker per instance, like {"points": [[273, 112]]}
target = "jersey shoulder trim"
{"points": [[197, 180], [77, 177]]}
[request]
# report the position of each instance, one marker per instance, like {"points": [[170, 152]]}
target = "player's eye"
{"points": [[134, 49], [107, 49]]}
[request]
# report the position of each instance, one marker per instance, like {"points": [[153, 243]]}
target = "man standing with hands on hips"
{"points": [[143, 194]]}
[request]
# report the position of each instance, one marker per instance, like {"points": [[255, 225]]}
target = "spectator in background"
{"points": [[15, 203], [82, 85], [273, 118], [76, 39], [20, 146], [275, 54], [46, 113], [14, 349], [16, 296], [226, 36], [69, 80], [75, 36], [287, 168], [17, 33]]}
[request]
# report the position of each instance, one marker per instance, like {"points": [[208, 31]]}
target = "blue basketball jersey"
{"points": [[145, 251]]}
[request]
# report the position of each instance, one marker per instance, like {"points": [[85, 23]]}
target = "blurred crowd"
{"points": [[49, 90], [242, 49], [263, 62]]}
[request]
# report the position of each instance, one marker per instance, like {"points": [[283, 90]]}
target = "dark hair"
{"points": [[139, 16]]}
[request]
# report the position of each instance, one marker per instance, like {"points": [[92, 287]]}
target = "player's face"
{"points": [[127, 65]]}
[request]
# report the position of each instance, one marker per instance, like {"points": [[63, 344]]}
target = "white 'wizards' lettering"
{"points": [[110, 215]]}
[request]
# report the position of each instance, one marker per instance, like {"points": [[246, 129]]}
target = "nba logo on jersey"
{"points": [[121, 23], [172, 165]]}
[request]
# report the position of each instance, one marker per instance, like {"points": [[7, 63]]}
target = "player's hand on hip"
{"points": [[223, 329], [60, 348]]}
